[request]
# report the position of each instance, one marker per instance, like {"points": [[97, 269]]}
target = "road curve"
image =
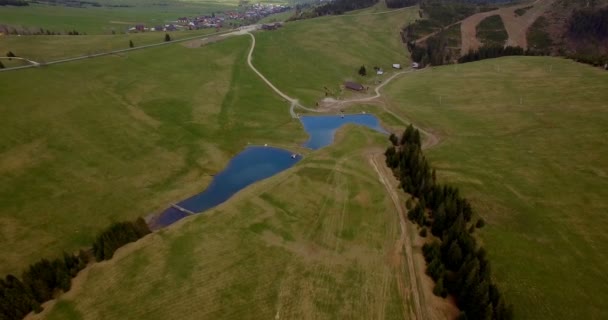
{"points": [[294, 102]]}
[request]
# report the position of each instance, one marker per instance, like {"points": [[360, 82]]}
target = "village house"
{"points": [[353, 86], [271, 26]]}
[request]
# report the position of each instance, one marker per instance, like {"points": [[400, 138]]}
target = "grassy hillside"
{"points": [[49, 48], [103, 144], [324, 52], [524, 139], [316, 241]]}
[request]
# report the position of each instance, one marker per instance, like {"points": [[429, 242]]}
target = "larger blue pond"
{"points": [[252, 164], [256, 163]]}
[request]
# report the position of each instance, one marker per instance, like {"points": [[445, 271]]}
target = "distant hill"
{"points": [[449, 29], [578, 29]]}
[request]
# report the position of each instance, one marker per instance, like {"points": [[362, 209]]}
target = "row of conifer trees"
{"points": [[43, 280], [455, 261]]}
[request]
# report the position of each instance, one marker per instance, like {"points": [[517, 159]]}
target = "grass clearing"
{"points": [[234, 261], [533, 162]]}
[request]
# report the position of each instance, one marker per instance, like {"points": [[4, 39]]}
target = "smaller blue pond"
{"points": [[251, 165], [323, 128]]}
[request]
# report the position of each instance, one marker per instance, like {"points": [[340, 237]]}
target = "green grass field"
{"points": [[113, 138], [325, 52], [122, 144], [315, 241], [126, 144], [527, 146], [49, 48], [102, 20]]}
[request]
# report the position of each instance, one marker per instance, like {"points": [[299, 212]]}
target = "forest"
{"points": [[394, 4], [589, 24], [341, 6], [17, 3], [45, 279], [457, 264]]}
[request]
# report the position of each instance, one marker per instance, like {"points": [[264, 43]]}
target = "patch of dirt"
{"points": [[516, 26], [24, 156], [197, 43]]}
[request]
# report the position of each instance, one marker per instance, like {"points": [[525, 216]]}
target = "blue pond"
{"points": [[256, 163], [251, 165], [323, 128]]}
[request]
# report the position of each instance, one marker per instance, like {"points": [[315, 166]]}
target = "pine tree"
{"points": [[131, 44], [454, 256], [394, 139], [362, 71], [1, 65], [167, 37]]}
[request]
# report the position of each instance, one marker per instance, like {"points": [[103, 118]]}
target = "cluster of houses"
{"points": [[257, 11], [201, 22], [250, 14]]}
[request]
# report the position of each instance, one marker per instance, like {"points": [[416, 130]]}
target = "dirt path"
{"points": [[516, 26], [419, 40], [404, 240], [294, 103]]}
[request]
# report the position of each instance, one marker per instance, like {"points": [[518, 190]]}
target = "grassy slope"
{"points": [[49, 48], [324, 52], [123, 139], [535, 171], [312, 242]]}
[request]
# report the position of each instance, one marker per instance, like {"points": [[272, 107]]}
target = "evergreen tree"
{"points": [[394, 140], [1, 65], [167, 37], [131, 44], [362, 71]]}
